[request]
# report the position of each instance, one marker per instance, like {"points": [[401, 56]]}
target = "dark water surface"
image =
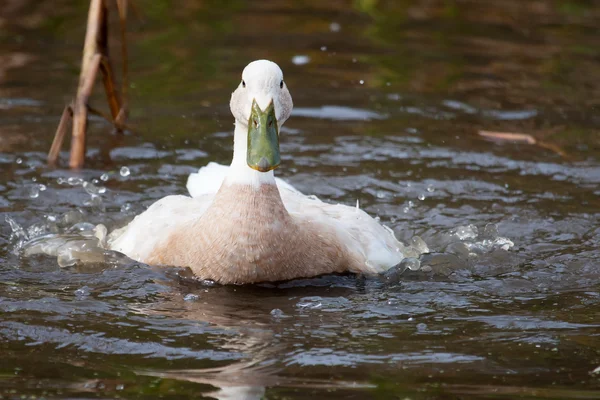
{"points": [[389, 98]]}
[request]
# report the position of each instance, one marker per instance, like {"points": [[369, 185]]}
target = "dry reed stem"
{"points": [[95, 57], [523, 137]]}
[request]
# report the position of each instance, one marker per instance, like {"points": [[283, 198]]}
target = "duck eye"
{"points": [[243, 84], [281, 84]]}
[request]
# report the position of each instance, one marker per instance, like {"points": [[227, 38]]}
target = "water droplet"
{"points": [[335, 27], [104, 177], [421, 197], [124, 171], [90, 188], [419, 244], [34, 192], [323, 48], [300, 60], [361, 82], [430, 189], [277, 313], [466, 232], [191, 297], [19, 161], [74, 181], [82, 291], [490, 231]]}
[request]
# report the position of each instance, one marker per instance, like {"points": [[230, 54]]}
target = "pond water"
{"points": [[390, 97]]}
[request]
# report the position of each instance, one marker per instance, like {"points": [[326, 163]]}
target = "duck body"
{"points": [[242, 225]]}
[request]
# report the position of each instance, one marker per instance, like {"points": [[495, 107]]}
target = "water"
{"points": [[468, 320]]}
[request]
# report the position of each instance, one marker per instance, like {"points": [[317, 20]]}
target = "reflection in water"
{"points": [[390, 98]]}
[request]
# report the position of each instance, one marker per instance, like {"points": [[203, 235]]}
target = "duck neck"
{"points": [[240, 172]]}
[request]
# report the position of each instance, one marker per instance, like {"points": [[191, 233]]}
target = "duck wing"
{"points": [[363, 235], [163, 218]]}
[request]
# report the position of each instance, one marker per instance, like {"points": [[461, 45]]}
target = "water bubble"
{"points": [[42, 187], [381, 194], [19, 161], [34, 179], [430, 189], [394, 96], [104, 177], [191, 297], [124, 171], [323, 48], [406, 209], [125, 207], [71, 218], [361, 82], [95, 181], [300, 60], [60, 181], [411, 263], [120, 387], [419, 244], [354, 60], [421, 197], [411, 203], [65, 257], [277, 313], [335, 27]]}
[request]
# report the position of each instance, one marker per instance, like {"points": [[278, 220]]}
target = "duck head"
{"points": [[262, 103]]}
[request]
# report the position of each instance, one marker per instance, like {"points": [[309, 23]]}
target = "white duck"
{"points": [[242, 224]]}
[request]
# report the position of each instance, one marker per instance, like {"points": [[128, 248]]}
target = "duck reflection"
{"points": [[254, 320]]}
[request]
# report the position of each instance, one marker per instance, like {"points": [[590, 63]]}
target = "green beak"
{"points": [[263, 139]]}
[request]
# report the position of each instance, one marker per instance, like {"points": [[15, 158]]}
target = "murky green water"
{"points": [[389, 98]]}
